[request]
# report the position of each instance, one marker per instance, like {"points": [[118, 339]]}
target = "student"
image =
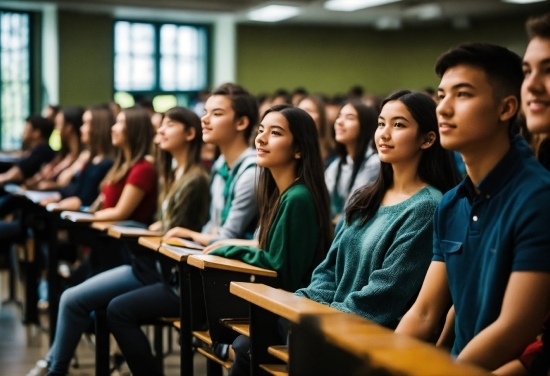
{"points": [[95, 134], [315, 107], [357, 163], [535, 101], [230, 115], [294, 228], [129, 191], [184, 202], [69, 159], [36, 133], [378, 259], [490, 232]]}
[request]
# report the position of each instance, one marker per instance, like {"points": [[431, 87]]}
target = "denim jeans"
{"points": [[126, 314], [76, 305]]}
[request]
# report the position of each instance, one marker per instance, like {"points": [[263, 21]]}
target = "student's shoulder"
{"points": [[428, 195], [143, 168], [298, 195]]}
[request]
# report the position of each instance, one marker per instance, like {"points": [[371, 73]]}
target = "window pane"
{"points": [[168, 73], [14, 64], [190, 73], [168, 39], [134, 56]]}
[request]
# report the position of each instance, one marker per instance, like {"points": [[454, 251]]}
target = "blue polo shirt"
{"points": [[483, 238]]}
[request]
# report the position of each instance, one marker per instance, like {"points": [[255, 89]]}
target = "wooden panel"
{"points": [[210, 355], [280, 302], [151, 242], [383, 348], [217, 262], [239, 327], [203, 336], [279, 352], [130, 232], [176, 253], [275, 369]]}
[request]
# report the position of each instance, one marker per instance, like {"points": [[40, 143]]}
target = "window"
{"points": [[14, 77], [152, 59]]}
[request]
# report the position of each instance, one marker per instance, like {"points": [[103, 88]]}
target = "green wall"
{"points": [[85, 59], [331, 60]]}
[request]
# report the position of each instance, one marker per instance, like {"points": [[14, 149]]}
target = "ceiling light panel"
{"points": [[353, 5], [273, 13]]}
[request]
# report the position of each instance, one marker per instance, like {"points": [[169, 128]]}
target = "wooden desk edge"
{"points": [[218, 262], [279, 301], [150, 242], [173, 255]]}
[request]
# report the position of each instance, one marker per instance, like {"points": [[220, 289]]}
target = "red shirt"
{"points": [[143, 176]]}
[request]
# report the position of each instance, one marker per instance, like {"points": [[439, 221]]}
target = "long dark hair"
{"points": [[189, 120], [72, 116], [368, 121], [100, 132], [309, 170], [139, 133], [436, 166]]}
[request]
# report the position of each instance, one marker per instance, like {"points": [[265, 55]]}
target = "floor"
{"points": [[21, 346]]}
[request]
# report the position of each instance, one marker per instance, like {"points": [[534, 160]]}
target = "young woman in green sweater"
{"points": [[294, 230], [379, 258]]}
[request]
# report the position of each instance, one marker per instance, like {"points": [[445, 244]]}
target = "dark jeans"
{"points": [[128, 312], [241, 347]]}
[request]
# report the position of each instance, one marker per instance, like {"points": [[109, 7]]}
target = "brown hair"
{"points": [[139, 133], [100, 132], [538, 27]]}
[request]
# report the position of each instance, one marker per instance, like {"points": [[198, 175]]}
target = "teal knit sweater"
{"points": [[376, 270], [292, 240]]}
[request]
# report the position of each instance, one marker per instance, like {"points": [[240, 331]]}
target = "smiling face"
{"points": [[218, 121], [535, 91], [275, 143], [397, 137], [118, 131], [347, 127], [468, 113], [171, 135]]}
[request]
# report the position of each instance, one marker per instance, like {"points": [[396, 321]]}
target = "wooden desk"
{"points": [[150, 242], [100, 226], [130, 232], [210, 277], [350, 345]]}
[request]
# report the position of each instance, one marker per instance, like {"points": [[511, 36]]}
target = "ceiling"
{"points": [[459, 13]]}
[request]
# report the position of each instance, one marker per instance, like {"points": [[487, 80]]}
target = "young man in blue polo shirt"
{"points": [[491, 239]]}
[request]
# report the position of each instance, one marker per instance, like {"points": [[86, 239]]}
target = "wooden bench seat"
{"points": [[210, 355], [275, 369], [279, 352]]}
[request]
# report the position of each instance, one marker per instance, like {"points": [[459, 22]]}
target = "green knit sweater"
{"points": [[292, 240], [376, 270]]}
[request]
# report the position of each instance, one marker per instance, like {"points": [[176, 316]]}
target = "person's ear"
{"points": [[508, 108], [297, 155], [429, 140], [242, 123], [190, 134]]}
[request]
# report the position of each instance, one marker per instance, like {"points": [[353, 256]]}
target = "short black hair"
{"points": [[502, 66], [45, 126], [538, 27], [243, 104]]}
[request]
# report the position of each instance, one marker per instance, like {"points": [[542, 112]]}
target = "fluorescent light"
{"points": [[273, 13], [523, 1], [424, 11], [352, 5]]}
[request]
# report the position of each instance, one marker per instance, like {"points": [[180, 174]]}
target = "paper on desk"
{"points": [[75, 216], [184, 250]]}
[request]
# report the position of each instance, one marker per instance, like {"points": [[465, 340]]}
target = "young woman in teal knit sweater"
{"points": [[379, 258]]}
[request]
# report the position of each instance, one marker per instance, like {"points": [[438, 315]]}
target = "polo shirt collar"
{"points": [[499, 175]]}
